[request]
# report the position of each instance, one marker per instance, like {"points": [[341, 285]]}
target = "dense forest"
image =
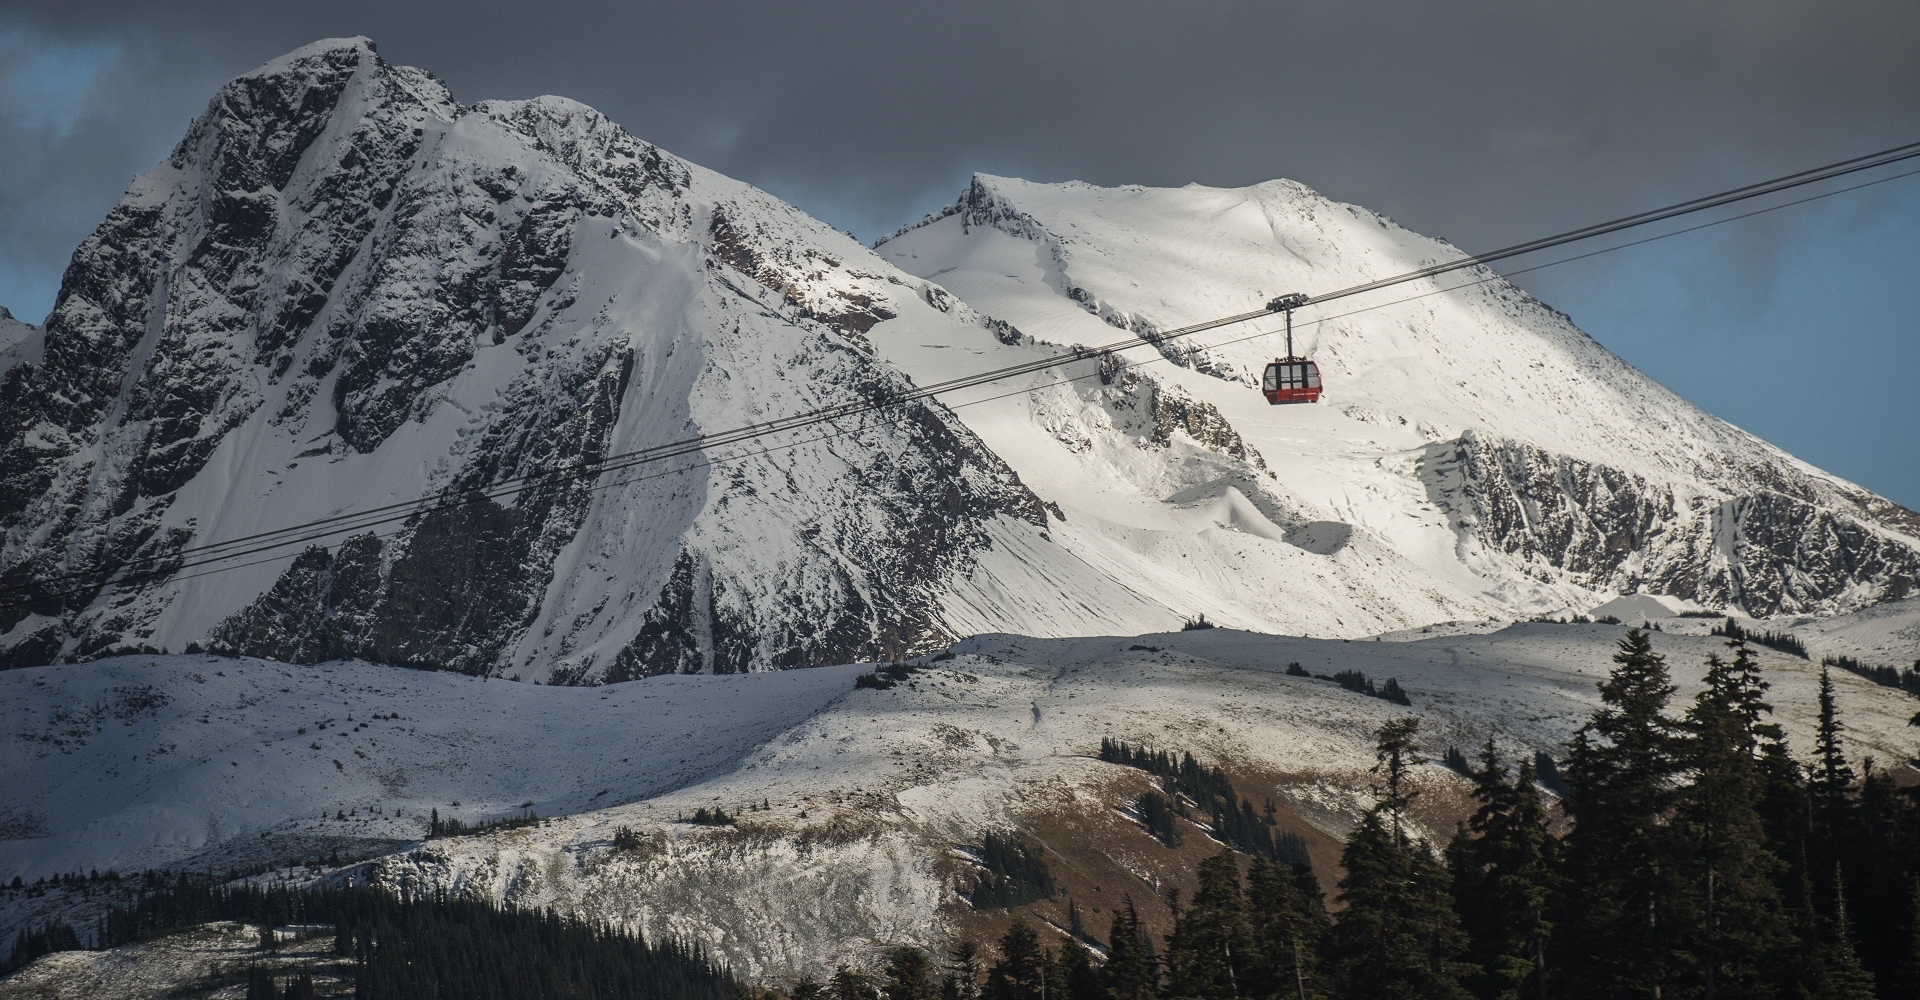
{"points": [[413, 948], [1230, 819]]}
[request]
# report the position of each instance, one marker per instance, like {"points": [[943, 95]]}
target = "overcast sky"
{"points": [[1483, 122]]}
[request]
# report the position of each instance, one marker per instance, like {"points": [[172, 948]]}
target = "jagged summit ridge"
{"points": [[345, 288]]}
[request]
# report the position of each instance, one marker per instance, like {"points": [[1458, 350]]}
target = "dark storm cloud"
{"points": [[1482, 121], [1477, 120]]}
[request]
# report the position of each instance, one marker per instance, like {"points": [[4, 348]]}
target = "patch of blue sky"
{"points": [[1799, 326], [46, 84]]}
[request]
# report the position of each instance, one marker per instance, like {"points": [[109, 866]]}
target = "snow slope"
{"points": [[141, 760], [850, 801], [1483, 448], [20, 343]]}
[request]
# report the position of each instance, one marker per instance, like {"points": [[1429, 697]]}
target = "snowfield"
{"points": [[151, 760], [850, 803]]}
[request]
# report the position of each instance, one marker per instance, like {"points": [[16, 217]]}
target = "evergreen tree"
{"points": [[962, 981], [1503, 880], [260, 986], [1830, 788], [1907, 971], [1620, 773], [1879, 851], [1053, 975], [1395, 756], [1398, 937], [1020, 973], [1131, 972], [1845, 979], [1211, 953], [850, 984], [909, 975], [1078, 975], [1288, 919], [1735, 931], [1804, 963], [1783, 808]]}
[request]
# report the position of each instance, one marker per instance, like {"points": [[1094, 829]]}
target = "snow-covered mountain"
{"points": [[344, 289], [1464, 423]]}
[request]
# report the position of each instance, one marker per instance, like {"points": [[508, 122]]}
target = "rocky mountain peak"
{"points": [[346, 290]]}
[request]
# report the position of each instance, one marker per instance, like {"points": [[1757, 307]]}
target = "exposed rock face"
{"points": [[342, 270], [1768, 550]]}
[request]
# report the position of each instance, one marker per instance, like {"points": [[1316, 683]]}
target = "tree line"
{"points": [[1700, 859], [422, 946], [1260, 940], [1187, 785]]}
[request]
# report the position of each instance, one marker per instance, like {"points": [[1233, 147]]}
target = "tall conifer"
{"points": [[1735, 930], [1845, 978], [1082, 981], [909, 975], [1020, 973], [1398, 936], [1211, 955], [1131, 972], [1503, 877], [1830, 787], [1621, 774], [962, 981], [1289, 919]]}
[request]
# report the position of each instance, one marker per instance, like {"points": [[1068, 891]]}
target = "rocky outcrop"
{"points": [[1766, 551]]}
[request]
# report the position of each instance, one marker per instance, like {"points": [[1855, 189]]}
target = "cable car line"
{"points": [[673, 449], [1883, 158], [211, 552]]}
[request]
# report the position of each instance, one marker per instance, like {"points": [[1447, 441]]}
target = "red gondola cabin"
{"points": [[1291, 380]]}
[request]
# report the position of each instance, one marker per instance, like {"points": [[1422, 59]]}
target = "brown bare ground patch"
{"points": [[1100, 858]]}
